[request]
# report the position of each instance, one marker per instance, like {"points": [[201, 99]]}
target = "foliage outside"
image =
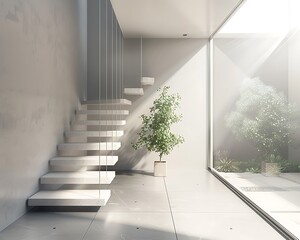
{"points": [[155, 134], [224, 163], [264, 117]]}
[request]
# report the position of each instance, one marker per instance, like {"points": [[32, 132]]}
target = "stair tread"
{"points": [[103, 112], [112, 133], [90, 146], [70, 198], [80, 177], [134, 91], [99, 122], [85, 160], [147, 81], [108, 102], [82, 174]]}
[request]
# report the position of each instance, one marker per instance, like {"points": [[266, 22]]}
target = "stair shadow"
{"points": [[128, 157], [162, 67], [65, 209]]}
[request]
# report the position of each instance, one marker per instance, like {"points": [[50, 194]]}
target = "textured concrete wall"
{"points": [[182, 65], [40, 71]]}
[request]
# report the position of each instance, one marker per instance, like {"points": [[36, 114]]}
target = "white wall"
{"points": [[181, 64], [40, 73]]}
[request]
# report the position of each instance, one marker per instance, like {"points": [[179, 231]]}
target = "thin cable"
{"points": [[141, 60], [112, 77], [99, 96], [106, 75], [122, 74]]}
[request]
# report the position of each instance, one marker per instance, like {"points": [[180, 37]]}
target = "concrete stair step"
{"points": [[84, 177], [70, 198], [108, 102], [99, 122], [118, 133], [84, 161], [89, 146], [147, 81], [134, 91], [102, 112]]}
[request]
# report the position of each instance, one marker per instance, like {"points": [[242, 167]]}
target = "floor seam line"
{"points": [[170, 209], [89, 226]]}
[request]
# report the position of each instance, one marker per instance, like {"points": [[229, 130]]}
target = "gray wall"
{"points": [[40, 71], [104, 51], [181, 64], [132, 62]]}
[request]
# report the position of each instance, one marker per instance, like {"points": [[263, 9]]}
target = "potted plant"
{"points": [[265, 118], [155, 134]]}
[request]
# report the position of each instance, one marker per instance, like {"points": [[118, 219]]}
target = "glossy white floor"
{"points": [[278, 196], [188, 207]]}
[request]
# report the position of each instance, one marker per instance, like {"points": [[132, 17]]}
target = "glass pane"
{"points": [[256, 135]]}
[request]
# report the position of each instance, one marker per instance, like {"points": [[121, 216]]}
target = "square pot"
{"points": [[160, 168], [270, 169]]}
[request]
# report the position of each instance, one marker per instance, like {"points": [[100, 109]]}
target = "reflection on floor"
{"points": [[278, 196], [191, 206]]}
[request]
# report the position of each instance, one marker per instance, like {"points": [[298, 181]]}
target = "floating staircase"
{"points": [[94, 133], [147, 81], [75, 176], [134, 91], [82, 161], [137, 92]]}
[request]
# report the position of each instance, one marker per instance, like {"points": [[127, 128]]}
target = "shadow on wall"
{"points": [[128, 157], [162, 59]]}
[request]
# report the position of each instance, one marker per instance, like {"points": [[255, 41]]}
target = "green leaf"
{"points": [[155, 134]]}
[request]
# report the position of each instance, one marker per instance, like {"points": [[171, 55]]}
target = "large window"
{"points": [[255, 85]]}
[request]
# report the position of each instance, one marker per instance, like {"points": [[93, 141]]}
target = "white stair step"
{"points": [[100, 122], [70, 198], [102, 112], [90, 146], [84, 161], [94, 134], [87, 177], [134, 91], [108, 102], [147, 81]]}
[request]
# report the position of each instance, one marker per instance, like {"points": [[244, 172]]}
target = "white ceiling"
{"points": [[171, 18]]}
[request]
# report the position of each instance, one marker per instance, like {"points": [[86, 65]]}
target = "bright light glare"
{"points": [[260, 16], [295, 14]]}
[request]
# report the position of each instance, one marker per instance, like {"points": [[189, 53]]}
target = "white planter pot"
{"points": [[270, 169], [160, 168]]}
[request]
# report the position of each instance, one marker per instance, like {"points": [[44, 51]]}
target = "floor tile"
{"points": [[278, 196], [137, 201], [281, 201], [211, 201], [131, 226], [201, 181], [290, 220], [139, 209], [223, 226], [137, 182], [48, 226]]}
